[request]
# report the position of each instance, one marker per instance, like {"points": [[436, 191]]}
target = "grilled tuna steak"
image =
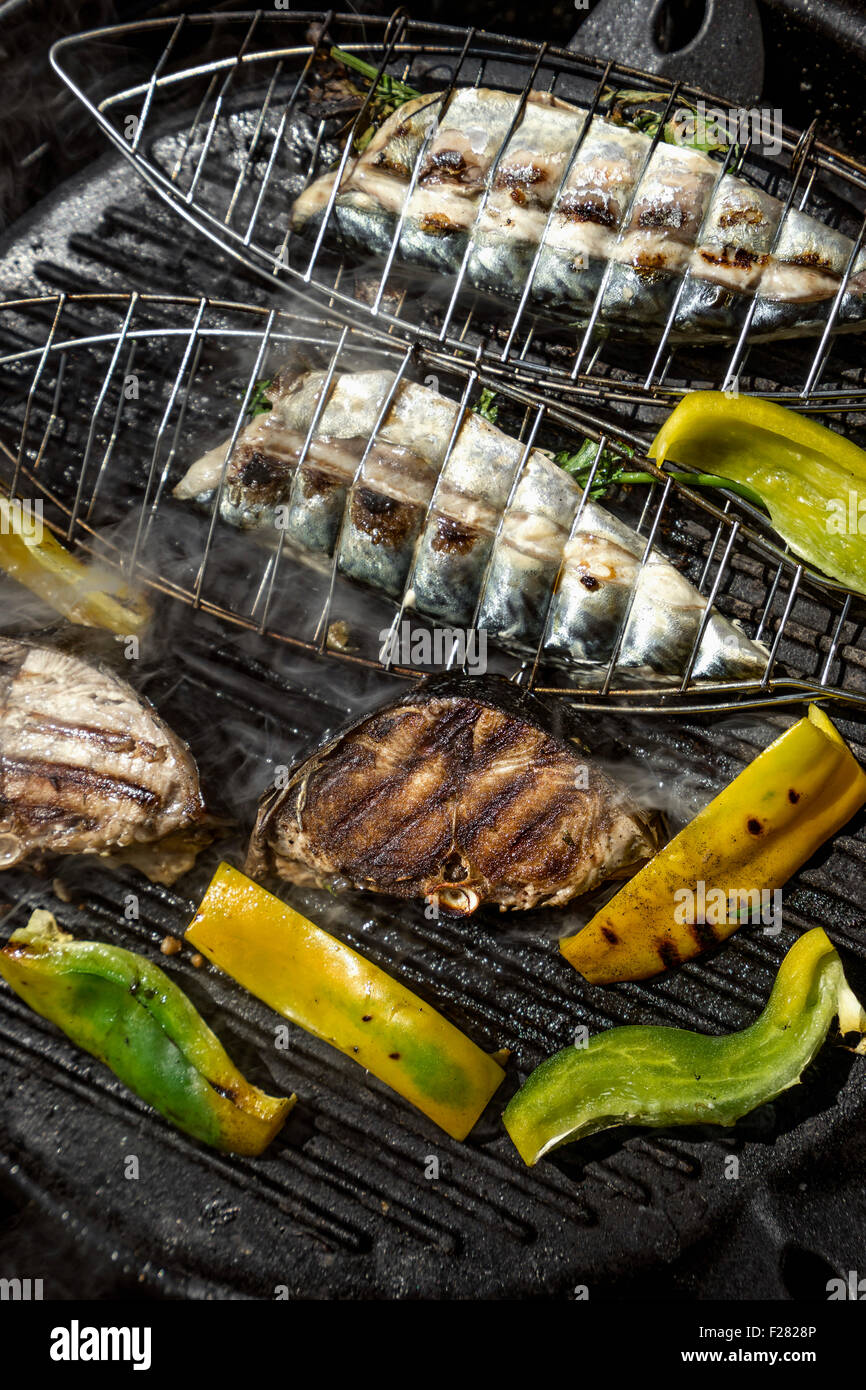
{"points": [[648, 233], [88, 767], [476, 532], [464, 792]]}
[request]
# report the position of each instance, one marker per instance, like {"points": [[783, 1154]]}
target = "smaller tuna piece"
{"points": [[88, 767], [465, 792]]}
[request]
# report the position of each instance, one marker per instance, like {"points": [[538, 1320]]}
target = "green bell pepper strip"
{"points": [[669, 1076], [127, 1012], [811, 480]]}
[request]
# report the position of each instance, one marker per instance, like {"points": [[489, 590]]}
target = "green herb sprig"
{"points": [[633, 108], [259, 402], [486, 406], [579, 465], [612, 471], [388, 93]]}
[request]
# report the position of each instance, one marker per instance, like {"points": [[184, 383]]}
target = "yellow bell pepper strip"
{"points": [[124, 1010], [67, 584], [811, 479], [324, 986], [641, 1075], [753, 836]]}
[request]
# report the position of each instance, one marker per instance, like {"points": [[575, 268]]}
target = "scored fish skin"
{"points": [[472, 491], [603, 585], [505, 546], [658, 232], [527, 554], [464, 792], [88, 766], [601, 562], [378, 532]]}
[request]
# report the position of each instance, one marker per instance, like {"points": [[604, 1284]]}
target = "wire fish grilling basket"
{"points": [[230, 117], [108, 399]]}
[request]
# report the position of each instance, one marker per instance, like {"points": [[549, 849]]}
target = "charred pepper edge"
{"points": [[766, 1058], [232, 1114], [624, 941]]}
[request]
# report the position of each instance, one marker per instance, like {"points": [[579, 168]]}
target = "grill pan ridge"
{"points": [[341, 1206], [257, 138]]}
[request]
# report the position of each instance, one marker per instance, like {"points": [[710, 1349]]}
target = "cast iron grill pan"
{"points": [[340, 1206]]}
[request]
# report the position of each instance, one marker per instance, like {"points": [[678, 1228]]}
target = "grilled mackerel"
{"points": [[88, 767], [465, 792], [476, 534], [649, 234]]}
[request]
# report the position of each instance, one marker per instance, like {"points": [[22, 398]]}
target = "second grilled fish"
{"points": [[481, 534], [592, 213]]}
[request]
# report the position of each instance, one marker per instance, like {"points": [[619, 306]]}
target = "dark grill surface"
{"points": [[340, 1205]]}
